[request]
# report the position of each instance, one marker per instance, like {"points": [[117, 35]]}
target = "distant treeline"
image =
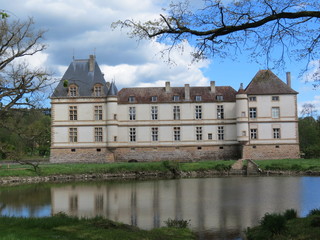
{"points": [[309, 137], [25, 133]]}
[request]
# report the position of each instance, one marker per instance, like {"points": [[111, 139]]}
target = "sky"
{"points": [[79, 28]]}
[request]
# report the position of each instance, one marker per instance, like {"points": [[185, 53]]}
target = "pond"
{"points": [[218, 208]]}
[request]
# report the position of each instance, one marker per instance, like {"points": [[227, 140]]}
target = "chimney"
{"points": [[187, 92], [91, 63], [289, 79], [168, 88], [212, 86]]}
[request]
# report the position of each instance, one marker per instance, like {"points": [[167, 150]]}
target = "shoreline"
{"points": [[14, 180]]}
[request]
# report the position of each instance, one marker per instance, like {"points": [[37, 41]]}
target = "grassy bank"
{"points": [[290, 164], [63, 228], [81, 168], [17, 170], [287, 226]]}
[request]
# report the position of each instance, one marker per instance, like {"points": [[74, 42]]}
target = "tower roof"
{"points": [[84, 74], [113, 91], [266, 82]]}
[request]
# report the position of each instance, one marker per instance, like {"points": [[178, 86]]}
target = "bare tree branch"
{"points": [[20, 85], [222, 27]]}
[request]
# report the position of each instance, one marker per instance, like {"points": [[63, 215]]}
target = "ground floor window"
{"points": [[73, 135], [98, 134], [132, 134]]}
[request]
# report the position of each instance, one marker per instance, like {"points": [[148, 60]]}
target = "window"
{"points": [[220, 112], [252, 99], [73, 203], [154, 134], [176, 133], [73, 113], [220, 133], [132, 134], [98, 112], [73, 135], [73, 91], [253, 113], [275, 112], [253, 133], [176, 112], [154, 99], [132, 113], [198, 98], [198, 112], [276, 133], [275, 98], [97, 91], [99, 203], [219, 97], [98, 134], [199, 133], [154, 112], [176, 98], [131, 99], [209, 136]]}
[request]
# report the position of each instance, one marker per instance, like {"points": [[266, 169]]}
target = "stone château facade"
{"points": [[94, 122]]}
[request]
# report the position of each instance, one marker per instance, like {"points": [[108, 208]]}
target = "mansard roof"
{"points": [[144, 95], [80, 74], [266, 82]]}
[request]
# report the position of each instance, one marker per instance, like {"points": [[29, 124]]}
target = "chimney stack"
{"points": [[212, 86], [91, 63], [289, 79], [187, 92], [168, 88]]}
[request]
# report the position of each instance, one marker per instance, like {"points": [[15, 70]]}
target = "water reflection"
{"points": [[25, 201], [219, 208], [214, 203]]}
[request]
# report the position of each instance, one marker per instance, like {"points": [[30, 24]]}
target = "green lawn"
{"points": [[86, 168], [144, 167], [290, 164], [65, 228]]}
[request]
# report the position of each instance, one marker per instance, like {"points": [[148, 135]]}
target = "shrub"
{"points": [[290, 214], [312, 151], [274, 223], [177, 223], [314, 212], [315, 222], [172, 166]]}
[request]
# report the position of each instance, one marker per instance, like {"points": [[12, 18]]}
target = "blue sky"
{"points": [[78, 28]]}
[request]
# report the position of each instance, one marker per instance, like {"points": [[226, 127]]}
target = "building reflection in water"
{"points": [[212, 204]]}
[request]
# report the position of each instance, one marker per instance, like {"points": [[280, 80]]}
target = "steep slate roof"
{"points": [[78, 73], [143, 95], [266, 82]]}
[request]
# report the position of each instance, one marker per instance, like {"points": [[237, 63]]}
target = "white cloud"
{"points": [[155, 71], [38, 60], [313, 73], [315, 102]]}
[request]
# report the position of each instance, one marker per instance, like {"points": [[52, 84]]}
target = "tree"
{"points": [[308, 110], [20, 85], [270, 29]]}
